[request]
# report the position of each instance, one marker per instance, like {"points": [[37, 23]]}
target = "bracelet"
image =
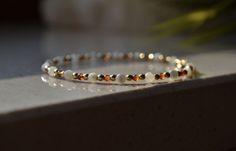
{"points": [[179, 69]]}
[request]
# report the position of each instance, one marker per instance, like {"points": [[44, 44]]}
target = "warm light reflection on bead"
{"points": [[179, 65], [141, 55], [161, 57], [151, 56]]}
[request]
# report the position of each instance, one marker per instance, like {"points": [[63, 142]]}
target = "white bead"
{"points": [[68, 74], [149, 77], [120, 78], [174, 74], [52, 70], [45, 66], [189, 71], [92, 77]]}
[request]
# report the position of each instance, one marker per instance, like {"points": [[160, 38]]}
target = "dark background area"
{"points": [[27, 38], [20, 12]]}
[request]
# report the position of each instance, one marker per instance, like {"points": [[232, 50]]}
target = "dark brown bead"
{"points": [[113, 77], [191, 67], [128, 55], [55, 61], [82, 57], [157, 76], [129, 77], [185, 72], [67, 59], [179, 73], [142, 76], [101, 77], [86, 76], [106, 56], [167, 74]]}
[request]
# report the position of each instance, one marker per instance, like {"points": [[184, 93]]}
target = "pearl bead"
{"points": [[92, 77], [52, 70], [174, 74], [149, 77], [45, 66], [68, 74], [120, 78]]}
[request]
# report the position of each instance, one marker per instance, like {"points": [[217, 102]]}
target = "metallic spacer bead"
{"points": [[85, 76], [129, 77], [59, 73], [141, 76], [100, 77], [113, 77]]}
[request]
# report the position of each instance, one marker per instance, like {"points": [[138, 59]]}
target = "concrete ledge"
{"points": [[192, 118]]}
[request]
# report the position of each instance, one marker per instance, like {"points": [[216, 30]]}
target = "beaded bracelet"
{"points": [[179, 69]]}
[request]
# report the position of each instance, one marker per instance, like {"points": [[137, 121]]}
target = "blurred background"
{"points": [[33, 30]]}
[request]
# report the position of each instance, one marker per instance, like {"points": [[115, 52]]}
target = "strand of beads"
{"points": [[180, 68]]}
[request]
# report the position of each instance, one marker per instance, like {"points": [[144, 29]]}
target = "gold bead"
{"points": [[59, 73]]}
